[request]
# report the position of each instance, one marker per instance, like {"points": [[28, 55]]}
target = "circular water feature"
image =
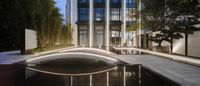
{"points": [[87, 69], [72, 64]]}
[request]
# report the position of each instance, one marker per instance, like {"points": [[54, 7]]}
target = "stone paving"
{"points": [[12, 57], [184, 74]]}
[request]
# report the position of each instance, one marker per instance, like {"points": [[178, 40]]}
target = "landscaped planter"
{"points": [[164, 49]]}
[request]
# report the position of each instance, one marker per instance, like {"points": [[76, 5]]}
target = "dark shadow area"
{"points": [[12, 75]]}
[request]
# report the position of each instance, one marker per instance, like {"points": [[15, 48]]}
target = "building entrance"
{"points": [[115, 34], [83, 36], [99, 36]]}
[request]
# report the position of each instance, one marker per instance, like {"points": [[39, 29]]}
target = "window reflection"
{"points": [[83, 14], [83, 35], [99, 1], [83, 1], [115, 14], [99, 14]]}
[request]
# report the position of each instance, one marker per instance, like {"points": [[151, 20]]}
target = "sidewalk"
{"points": [[184, 74], [12, 57]]}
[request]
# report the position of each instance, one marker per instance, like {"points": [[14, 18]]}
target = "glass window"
{"points": [[130, 3], [99, 1], [83, 35], [99, 14], [115, 1], [115, 35], [83, 1], [83, 14], [115, 14]]}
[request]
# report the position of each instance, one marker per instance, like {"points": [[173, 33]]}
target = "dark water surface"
{"points": [[96, 73]]}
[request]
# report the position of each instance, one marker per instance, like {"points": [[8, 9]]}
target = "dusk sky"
{"points": [[61, 5]]}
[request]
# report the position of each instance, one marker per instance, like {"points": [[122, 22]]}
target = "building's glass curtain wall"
{"points": [[116, 22], [115, 14], [99, 36], [99, 28], [83, 14], [83, 35], [131, 13], [83, 18], [99, 23], [99, 1], [115, 35], [99, 14], [83, 1]]}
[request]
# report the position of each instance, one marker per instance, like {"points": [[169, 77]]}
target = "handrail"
{"points": [[184, 59]]}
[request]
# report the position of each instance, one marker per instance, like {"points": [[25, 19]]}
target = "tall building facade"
{"points": [[99, 23]]}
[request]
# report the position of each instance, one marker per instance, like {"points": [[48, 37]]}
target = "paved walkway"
{"points": [[12, 57], [184, 74]]}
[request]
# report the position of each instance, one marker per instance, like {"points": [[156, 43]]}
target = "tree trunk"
{"points": [[132, 38], [186, 43], [159, 44], [171, 49]]}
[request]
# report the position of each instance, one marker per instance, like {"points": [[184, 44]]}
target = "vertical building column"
{"points": [[139, 21], [69, 3], [107, 24], [124, 76], [91, 23], [90, 80], [107, 79], [123, 30], [71, 80]]}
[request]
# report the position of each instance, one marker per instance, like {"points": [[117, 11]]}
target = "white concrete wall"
{"points": [[179, 45], [74, 19], [193, 45], [30, 39]]}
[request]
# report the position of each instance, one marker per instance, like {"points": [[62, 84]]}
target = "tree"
{"points": [[40, 15], [134, 24], [153, 17], [188, 15]]}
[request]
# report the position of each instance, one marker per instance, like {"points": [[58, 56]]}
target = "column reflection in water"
{"points": [[122, 76]]}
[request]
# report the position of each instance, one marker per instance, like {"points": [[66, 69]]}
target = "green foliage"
{"points": [[40, 15], [153, 14], [135, 26], [176, 17], [13, 18]]}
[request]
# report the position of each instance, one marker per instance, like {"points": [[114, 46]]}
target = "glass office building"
{"points": [[99, 23]]}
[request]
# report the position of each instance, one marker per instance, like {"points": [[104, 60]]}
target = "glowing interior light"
{"points": [[91, 49], [178, 46]]}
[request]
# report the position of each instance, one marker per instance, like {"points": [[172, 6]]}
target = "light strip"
{"points": [[91, 22], [67, 50], [90, 80], [70, 53], [107, 23], [65, 74], [107, 79], [173, 57], [51, 51], [124, 76]]}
